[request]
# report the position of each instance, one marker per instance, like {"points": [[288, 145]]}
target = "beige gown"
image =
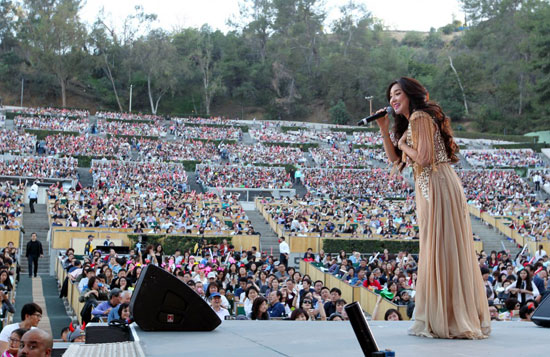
{"points": [[450, 295]]}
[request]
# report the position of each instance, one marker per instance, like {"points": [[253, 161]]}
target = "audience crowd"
{"points": [[355, 183], [243, 177], [262, 154], [40, 167], [374, 217], [342, 156], [16, 143], [206, 132], [130, 128], [52, 112], [367, 138], [272, 135], [88, 145], [175, 151], [502, 158], [128, 116], [80, 125]]}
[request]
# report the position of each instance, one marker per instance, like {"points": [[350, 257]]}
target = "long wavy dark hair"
{"points": [[419, 100]]}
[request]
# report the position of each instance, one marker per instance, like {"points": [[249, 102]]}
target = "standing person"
{"points": [[33, 199], [89, 247], [34, 251], [284, 251], [450, 296], [537, 179]]}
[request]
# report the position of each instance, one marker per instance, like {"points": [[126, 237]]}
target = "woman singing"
{"points": [[450, 296]]}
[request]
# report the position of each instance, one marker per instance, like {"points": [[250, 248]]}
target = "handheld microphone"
{"points": [[365, 121]]}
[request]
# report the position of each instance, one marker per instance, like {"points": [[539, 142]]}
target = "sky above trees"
{"points": [[404, 15]]}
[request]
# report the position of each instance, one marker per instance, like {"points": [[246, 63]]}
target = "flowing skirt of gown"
{"points": [[450, 295]]}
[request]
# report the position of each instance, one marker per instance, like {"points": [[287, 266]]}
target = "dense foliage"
{"points": [[282, 60]]}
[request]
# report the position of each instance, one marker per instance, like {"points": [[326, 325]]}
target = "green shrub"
{"points": [[369, 246], [339, 113], [364, 146], [489, 136], [190, 165], [286, 129], [172, 242], [535, 147], [42, 134], [288, 167], [216, 142], [86, 161]]}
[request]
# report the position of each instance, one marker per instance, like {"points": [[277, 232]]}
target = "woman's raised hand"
{"points": [[384, 122]]}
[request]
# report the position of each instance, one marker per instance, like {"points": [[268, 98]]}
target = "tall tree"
{"points": [[112, 48], [155, 56], [54, 38], [207, 58]]}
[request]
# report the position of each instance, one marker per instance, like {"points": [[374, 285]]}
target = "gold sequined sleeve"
{"points": [[422, 131]]}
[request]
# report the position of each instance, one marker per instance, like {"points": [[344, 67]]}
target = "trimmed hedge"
{"points": [[42, 134], [288, 167], [86, 161], [215, 141], [364, 146], [535, 147], [351, 130], [285, 129], [172, 242], [304, 147], [369, 246], [489, 136], [130, 121], [190, 165]]}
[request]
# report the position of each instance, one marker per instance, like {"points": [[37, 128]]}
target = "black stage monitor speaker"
{"points": [[541, 316], [162, 302]]}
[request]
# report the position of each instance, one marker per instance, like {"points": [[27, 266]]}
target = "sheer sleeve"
{"points": [[422, 131]]}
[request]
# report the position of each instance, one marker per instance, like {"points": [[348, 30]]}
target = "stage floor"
{"points": [[295, 338]]}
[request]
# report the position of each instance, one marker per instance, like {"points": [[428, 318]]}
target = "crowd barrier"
{"points": [[364, 296], [502, 224], [252, 193], [10, 236], [71, 237], [72, 290]]}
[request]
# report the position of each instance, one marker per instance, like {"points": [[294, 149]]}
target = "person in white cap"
{"points": [[216, 304]]}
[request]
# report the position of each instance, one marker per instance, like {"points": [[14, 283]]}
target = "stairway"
{"points": [[36, 222], [492, 239], [269, 242], [85, 177], [247, 139], [301, 190], [192, 182]]}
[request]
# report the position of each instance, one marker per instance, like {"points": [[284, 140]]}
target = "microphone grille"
{"points": [[389, 110]]}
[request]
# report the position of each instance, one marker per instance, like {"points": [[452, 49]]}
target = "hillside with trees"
{"points": [[281, 60]]}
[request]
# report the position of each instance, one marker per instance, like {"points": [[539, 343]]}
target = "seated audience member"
{"points": [[259, 309], [216, 304], [276, 308]]}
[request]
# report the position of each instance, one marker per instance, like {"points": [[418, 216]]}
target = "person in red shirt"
{"points": [[371, 282]]}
